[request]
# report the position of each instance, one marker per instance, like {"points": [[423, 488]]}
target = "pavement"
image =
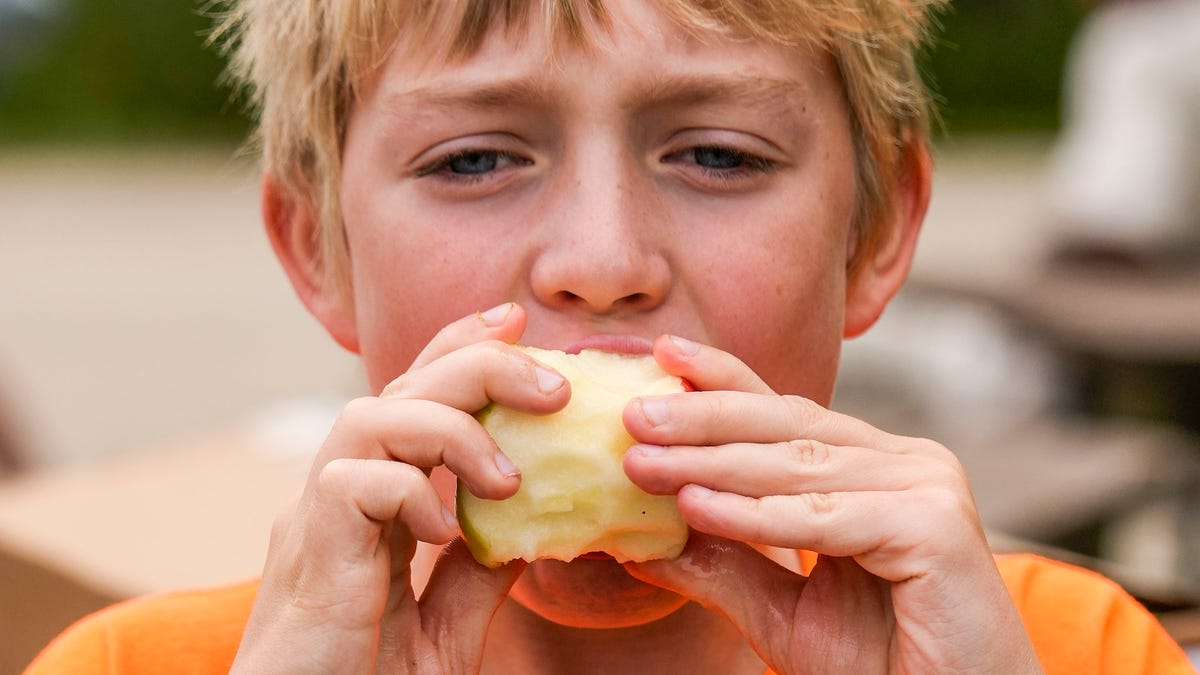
{"points": [[140, 302]]}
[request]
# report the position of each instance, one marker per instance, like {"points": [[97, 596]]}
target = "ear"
{"points": [[879, 276], [292, 227]]}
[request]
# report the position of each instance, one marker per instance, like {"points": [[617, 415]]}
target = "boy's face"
{"points": [[654, 183]]}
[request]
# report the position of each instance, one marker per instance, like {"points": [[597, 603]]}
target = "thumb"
{"points": [[759, 596], [785, 617], [459, 602]]}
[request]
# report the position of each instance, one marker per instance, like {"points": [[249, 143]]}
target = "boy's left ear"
{"points": [[880, 274]]}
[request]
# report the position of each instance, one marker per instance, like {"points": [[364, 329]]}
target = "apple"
{"points": [[574, 497]]}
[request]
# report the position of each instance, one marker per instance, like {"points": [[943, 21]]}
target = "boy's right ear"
{"points": [[292, 229]]}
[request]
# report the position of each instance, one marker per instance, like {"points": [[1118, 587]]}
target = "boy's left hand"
{"points": [[905, 581]]}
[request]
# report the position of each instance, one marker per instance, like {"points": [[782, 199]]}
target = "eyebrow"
{"points": [[774, 94], [664, 91], [508, 93]]}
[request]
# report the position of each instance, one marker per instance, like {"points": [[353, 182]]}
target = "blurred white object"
{"points": [[294, 428], [948, 368], [1126, 172]]}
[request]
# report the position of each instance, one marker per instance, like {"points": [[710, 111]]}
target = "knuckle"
{"points": [[496, 351], [948, 464], [495, 356], [958, 473], [821, 505], [949, 505], [807, 452], [336, 475], [356, 411], [805, 413], [398, 386]]}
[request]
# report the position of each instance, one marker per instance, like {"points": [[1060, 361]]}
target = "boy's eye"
{"points": [[720, 158], [722, 166], [471, 164]]}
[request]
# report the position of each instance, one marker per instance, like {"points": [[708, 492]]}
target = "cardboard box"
{"points": [[194, 514]]}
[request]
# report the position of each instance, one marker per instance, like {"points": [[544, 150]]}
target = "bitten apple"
{"points": [[575, 497]]}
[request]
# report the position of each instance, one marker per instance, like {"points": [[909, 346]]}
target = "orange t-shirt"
{"points": [[1080, 623]]}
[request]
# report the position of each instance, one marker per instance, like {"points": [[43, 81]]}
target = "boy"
{"points": [[733, 187]]}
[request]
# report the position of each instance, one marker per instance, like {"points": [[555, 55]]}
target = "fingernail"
{"points": [[506, 466], [655, 410], [448, 516], [496, 315], [547, 380], [699, 491], [686, 347]]}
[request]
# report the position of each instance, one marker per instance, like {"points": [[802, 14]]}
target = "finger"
{"points": [[478, 374], [758, 470], [459, 603], [706, 368], [422, 434], [867, 525], [505, 322], [359, 515], [355, 499], [719, 417]]}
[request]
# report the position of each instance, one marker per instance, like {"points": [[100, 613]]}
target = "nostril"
{"points": [[600, 281], [635, 299], [568, 298]]}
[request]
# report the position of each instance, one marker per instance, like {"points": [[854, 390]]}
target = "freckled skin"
{"points": [[759, 271]]}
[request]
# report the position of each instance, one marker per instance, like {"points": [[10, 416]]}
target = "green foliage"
{"points": [[139, 71], [997, 64], [126, 70]]}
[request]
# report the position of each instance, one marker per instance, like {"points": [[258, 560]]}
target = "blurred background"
{"points": [[161, 388]]}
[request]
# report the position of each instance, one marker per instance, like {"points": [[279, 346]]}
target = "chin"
{"points": [[592, 594]]}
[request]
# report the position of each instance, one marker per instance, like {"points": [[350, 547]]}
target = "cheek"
{"points": [[778, 303], [410, 280], [789, 332]]}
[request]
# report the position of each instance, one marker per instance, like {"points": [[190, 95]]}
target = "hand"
{"points": [[336, 593], [905, 582]]}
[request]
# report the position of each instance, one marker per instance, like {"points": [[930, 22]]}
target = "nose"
{"points": [[605, 243]]}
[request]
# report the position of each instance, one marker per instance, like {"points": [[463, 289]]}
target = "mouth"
{"points": [[617, 344]]}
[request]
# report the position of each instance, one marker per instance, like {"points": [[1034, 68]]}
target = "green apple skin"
{"points": [[575, 497]]}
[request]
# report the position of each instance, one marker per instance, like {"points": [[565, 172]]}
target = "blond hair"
{"points": [[303, 62]]}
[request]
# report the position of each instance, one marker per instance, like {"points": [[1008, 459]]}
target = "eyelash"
{"points": [[441, 165], [748, 164]]}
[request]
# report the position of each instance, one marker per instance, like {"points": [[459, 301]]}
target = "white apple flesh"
{"points": [[574, 497]]}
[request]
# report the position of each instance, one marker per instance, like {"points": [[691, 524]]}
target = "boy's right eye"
{"points": [[471, 164]]}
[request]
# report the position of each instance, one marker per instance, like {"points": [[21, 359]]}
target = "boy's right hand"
{"points": [[336, 594]]}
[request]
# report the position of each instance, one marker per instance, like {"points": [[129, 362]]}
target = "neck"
{"points": [[690, 640]]}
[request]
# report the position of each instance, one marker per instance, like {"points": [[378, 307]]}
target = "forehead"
{"points": [[455, 30], [686, 60]]}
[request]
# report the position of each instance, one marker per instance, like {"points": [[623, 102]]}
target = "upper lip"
{"points": [[616, 343]]}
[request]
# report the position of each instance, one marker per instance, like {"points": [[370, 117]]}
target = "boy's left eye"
{"points": [[473, 162], [720, 158], [721, 162]]}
